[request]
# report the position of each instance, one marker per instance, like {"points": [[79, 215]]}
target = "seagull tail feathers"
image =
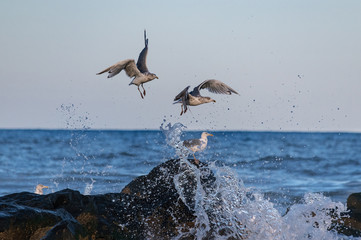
{"points": [[178, 101]]}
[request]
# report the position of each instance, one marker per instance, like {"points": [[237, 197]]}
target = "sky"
{"points": [[295, 64]]}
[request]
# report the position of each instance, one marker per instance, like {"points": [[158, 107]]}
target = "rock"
{"points": [[351, 221], [163, 212], [149, 207], [354, 204], [54, 216]]}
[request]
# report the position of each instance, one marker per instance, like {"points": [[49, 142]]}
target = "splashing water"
{"points": [[89, 187], [172, 135], [227, 209], [74, 117], [80, 161]]}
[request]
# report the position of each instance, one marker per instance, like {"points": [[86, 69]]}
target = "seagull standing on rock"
{"points": [[140, 71], [39, 189], [197, 145], [194, 98]]}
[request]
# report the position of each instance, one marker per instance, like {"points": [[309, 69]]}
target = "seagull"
{"points": [[140, 71], [197, 145], [194, 98], [39, 189]]}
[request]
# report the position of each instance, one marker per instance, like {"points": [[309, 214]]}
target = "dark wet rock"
{"points": [[351, 221], [163, 213], [56, 216], [354, 204], [148, 207]]}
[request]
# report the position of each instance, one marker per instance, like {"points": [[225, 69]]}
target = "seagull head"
{"points": [[39, 188], [153, 76], [205, 134]]}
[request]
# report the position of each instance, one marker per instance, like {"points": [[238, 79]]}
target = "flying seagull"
{"points": [[194, 98], [39, 189], [197, 145], [140, 71]]}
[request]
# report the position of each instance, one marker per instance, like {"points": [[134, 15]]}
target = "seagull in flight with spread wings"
{"points": [[140, 71], [194, 97]]}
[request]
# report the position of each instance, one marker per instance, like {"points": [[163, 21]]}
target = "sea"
{"points": [[283, 175]]}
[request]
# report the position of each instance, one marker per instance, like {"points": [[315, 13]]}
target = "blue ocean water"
{"points": [[284, 166]]}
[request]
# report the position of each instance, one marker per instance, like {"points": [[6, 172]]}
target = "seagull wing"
{"points": [[215, 86], [142, 59], [182, 97], [129, 66], [182, 94], [131, 69], [192, 143]]}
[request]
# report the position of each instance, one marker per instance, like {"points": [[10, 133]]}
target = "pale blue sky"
{"points": [[50, 52]]}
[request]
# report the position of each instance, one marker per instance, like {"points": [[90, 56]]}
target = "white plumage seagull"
{"points": [[39, 189], [197, 145], [140, 71], [194, 97]]}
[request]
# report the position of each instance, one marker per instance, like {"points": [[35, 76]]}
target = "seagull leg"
{"points": [[196, 161], [140, 92], [143, 89], [182, 110], [184, 104]]}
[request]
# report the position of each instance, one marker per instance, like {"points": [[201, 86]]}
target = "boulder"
{"points": [[62, 215], [351, 222], [163, 212], [149, 207], [160, 205]]}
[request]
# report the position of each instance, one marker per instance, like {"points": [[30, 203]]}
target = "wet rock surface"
{"points": [[148, 207], [351, 222]]}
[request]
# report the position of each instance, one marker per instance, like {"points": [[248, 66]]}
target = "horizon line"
{"points": [[190, 130]]}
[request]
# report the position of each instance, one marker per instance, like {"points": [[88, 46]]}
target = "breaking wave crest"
{"points": [[227, 209]]}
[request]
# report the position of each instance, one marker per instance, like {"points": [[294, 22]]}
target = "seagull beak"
{"points": [[210, 134], [214, 100], [156, 77], [46, 187]]}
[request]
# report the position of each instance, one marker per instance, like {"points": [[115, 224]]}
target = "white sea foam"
{"points": [[173, 134], [89, 187], [230, 210]]}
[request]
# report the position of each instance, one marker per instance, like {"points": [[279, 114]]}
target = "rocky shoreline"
{"points": [[149, 207]]}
